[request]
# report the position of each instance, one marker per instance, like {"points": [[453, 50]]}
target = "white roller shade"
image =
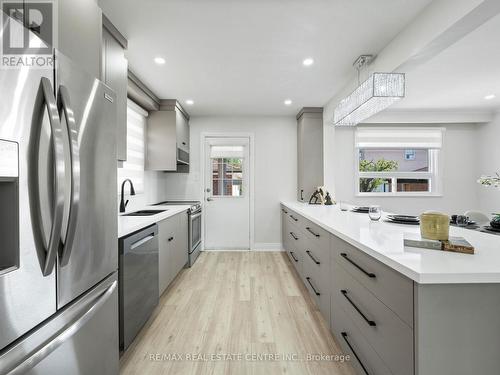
{"points": [[431, 138], [133, 168], [227, 151]]}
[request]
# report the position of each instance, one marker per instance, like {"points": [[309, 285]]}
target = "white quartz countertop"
{"points": [[131, 224], [384, 242]]}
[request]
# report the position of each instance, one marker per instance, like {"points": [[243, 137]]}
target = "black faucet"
{"points": [[123, 204]]}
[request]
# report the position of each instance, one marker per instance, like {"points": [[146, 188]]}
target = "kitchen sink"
{"points": [[145, 213]]}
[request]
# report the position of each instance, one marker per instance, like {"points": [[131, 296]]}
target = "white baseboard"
{"points": [[262, 246]]}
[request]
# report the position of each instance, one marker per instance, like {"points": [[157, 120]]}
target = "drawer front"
{"points": [[364, 358], [390, 337], [318, 235], [318, 287], [389, 286]]}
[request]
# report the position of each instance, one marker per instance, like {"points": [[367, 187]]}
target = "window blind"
{"points": [[431, 138], [133, 168], [227, 151]]}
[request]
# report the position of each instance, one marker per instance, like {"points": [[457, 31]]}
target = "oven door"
{"points": [[194, 231]]}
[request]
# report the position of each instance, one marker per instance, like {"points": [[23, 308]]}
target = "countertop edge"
{"points": [[419, 278]]}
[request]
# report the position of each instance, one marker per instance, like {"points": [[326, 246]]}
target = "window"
{"points": [[133, 168], [396, 161], [227, 177], [227, 171]]}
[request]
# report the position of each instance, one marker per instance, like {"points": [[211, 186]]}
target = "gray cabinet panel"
{"points": [[166, 230], [182, 126], [389, 286], [115, 68], [80, 32], [364, 358], [309, 152], [390, 337], [161, 145]]}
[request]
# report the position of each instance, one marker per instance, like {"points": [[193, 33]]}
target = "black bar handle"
{"points": [[294, 236], [312, 286], [301, 194], [314, 259], [369, 274], [285, 211], [293, 256], [294, 218], [312, 232], [344, 336], [371, 323], [170, 239], [184, 143]]}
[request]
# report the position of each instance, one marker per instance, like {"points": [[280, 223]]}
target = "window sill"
{"points": [[400, 195]]}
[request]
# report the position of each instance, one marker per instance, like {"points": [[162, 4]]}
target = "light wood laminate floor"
{"points": [[236, 305]]}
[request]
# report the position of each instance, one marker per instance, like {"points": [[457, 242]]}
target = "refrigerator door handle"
{"points": [[64, 104], [46, 99], [17, 362]]}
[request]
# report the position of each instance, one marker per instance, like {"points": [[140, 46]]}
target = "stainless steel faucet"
{"points": [[123, 204]]}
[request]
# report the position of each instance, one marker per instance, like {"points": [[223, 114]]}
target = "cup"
{"points": [[462, 220], [375, 213], [343, 206]]}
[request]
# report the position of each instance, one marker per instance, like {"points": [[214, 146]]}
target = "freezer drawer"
{"points": [[82, 339]]}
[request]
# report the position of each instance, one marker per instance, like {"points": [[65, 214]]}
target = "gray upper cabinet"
{"points": [[168, 138], [114, 74], [80, 33], [309, 151]]}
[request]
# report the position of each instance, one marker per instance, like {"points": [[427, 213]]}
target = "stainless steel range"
{"points": [[194, 213]]}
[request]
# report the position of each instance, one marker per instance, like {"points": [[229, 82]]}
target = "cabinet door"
{"points": [[180, 243], [166, 230], [310, 154], [80, 33], [161, 149], [182, 128], [115, 67]]}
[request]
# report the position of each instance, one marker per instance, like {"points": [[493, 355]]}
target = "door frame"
{"points": [[251, 180]]}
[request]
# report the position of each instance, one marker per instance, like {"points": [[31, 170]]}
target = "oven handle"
{"points": [[194, 216]]}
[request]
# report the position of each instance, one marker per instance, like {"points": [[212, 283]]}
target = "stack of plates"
{"points": [[403, 219], [362, 209]]}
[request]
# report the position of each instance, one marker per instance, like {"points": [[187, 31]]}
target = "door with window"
{"points": [[227, 195]]}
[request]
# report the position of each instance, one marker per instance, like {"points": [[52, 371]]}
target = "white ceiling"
{"points": [[459, 77], [235, 57]]}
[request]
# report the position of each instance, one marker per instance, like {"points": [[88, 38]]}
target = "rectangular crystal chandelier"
{"points": [[371, 97]]}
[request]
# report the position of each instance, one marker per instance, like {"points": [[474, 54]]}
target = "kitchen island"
{"points": [[396, 309]]}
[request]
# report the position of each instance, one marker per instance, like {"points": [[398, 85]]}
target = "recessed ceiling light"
{"points": [[189, 102], [308, 62], [159, 60], [491, 96], [288, 102]]}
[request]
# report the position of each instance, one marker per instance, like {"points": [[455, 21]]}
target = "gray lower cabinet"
{"points": [[389, 324], [173, 248]]}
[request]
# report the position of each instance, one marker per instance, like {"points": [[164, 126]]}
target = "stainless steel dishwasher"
{"points": [[138, 282]]}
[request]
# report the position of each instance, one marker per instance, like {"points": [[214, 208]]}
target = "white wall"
{"points": [[275, 168], [458, 157], [489, 163]]}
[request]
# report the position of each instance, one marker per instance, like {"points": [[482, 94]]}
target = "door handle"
{"points": [[142, 241], [209, 199], [344, 336], [369, 274], [64, 104], [312, 232], [312, 286], [371, 323], [301, 194], [313, 258], [45, 99], [294, 236]]}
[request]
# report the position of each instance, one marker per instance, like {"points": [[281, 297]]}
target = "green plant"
{"points": [[381, 165], [490, 180]]}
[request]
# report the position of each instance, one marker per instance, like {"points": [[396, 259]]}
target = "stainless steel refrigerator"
{"points": [[58, 220]]}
